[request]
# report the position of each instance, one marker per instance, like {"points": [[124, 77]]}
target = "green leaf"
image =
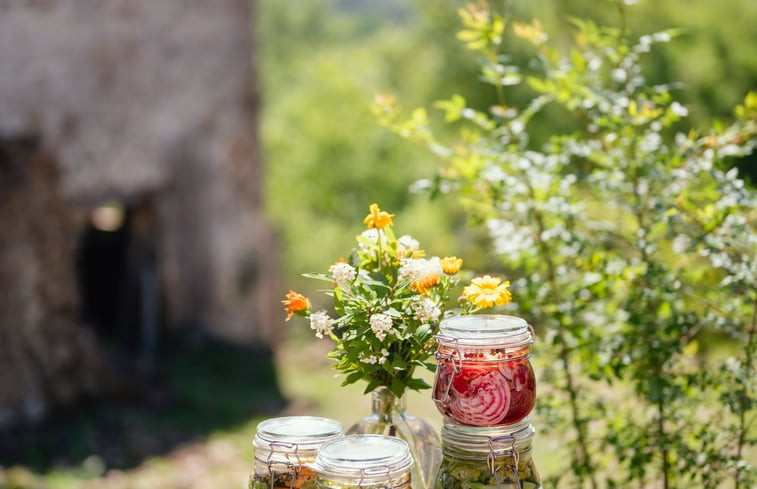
{"points": [[417, 384], [319, 276], [352, 378], [397, 387], [372, 385]]}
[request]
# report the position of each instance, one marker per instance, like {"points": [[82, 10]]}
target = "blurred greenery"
{"points": [[322, 62]]}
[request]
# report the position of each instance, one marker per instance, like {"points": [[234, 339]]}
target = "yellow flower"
{"points": [[295, 302], [378, 218], [487, 290], [451, 264], [422, 284]]}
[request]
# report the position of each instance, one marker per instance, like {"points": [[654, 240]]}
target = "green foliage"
{"points": [[388, 302], [630, 238]]}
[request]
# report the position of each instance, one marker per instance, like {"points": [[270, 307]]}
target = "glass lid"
{"points": [[278, 438], [485, 329], [299, 429], [364, 456]]}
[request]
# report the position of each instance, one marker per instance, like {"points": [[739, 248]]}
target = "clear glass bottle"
{"points": [[483, 375], [487, 457], [364, 462], [389, 417], [285, 447]]}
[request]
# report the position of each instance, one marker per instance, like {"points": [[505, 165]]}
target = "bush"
{"points": [[630, 239]]}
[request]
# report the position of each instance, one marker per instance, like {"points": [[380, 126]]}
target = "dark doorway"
{"points": [[116, 270]]}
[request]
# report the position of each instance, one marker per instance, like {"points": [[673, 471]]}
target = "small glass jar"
{"points": [[284, 449], [487, 457], [364, 462], [483, 375]]}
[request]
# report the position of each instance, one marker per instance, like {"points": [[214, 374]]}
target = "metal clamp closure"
{"points": [[490, 459], [456, 358], [291, 450], [390, 479]]}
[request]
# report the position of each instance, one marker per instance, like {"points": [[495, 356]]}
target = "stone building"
{"points": [[130, 189]]}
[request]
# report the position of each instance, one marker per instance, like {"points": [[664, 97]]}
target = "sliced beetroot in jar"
{"points": [[522, 382], [486, 393], [478, 397]]}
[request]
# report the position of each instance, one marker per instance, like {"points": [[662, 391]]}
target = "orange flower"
{"points": [[487, 290], [451, 264], [377, 218], [295, 302], [422, 284]]}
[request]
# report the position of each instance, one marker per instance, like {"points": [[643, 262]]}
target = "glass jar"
{"points": [[284, 448], [389, 417], [364, 461], [487, 457], [483, 375]]}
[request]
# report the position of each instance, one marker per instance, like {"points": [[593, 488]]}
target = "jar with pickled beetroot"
{"points": [[284, 449], [364, 462], [490, 457], [483, 375]]}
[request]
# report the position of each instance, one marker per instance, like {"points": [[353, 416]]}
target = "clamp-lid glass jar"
{"points": [[285, 446], [483, 375], [364, 461], [487, 457]]}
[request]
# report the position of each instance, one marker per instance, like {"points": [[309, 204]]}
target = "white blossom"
{"points": [[680, 243], [426, 310], [342, 272], [384, 355], [371, 359], [373, 235], [509, 240], [679, 109], [415, 268], [407, 244], [381, 324], [321, 323]]}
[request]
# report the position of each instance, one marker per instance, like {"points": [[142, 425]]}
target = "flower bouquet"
{"points": [[389, 298]]}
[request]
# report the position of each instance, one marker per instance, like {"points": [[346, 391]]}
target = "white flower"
{"points": [[407, 244], [380, 325], [426, 310], [619, 75], [509, 240], [415, 268], [681, 244], [321, 323], [679, 109], [370, 359], [342, 272], [373, 235]]}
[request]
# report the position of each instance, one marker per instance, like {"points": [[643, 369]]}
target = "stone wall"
{"points": [[152, 104]]}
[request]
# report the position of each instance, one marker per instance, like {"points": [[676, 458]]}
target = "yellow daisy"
{"points": [[487, 291]]}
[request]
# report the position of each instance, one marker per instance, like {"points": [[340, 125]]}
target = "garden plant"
{"points": [[631, 240]]}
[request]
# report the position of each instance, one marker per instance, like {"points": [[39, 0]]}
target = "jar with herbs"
{"points": [[364, 462], [484, 376], [487, 457], [284, 449]]}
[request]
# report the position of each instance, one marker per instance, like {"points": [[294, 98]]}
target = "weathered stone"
{"points": [[152, 104]]}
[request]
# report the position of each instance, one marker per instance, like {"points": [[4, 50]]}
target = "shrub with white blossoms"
{"points": [[388, 301], [632, 238]]}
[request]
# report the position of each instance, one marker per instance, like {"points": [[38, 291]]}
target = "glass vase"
{"points": [[389, 417]]}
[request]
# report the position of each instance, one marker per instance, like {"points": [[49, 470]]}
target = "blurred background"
{"points": [[168, 170]]}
